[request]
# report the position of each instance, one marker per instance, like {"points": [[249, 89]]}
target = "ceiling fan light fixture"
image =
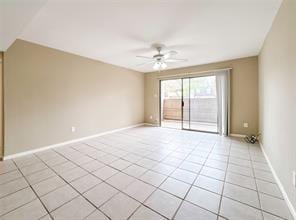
{"points": [[160, 59], [157, 66], [163, 65]]}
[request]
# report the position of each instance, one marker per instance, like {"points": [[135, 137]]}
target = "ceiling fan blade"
{"points": [[175, 60], [170, 54], [147, 58], [146, 63]]}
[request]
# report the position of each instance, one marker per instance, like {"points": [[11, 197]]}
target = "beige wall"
{"points": [[277, 92], [47, 91], [244, 92]]}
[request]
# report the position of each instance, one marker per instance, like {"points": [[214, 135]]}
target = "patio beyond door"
{"points": [[190, 103], [199, 104]]}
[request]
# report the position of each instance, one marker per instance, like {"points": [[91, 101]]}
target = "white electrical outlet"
{"points": [[294, 178], [246, 124], [73, 129]]}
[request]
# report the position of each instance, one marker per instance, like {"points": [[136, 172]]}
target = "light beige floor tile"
{"points": [[147, 163], [192, 167], [261, 166], [64, 167], [92, 166], [47, 217], [105, 172], [56, 161], [163, 203], [241, 180], [100, 194], [134, 170], [213, 173], [82, 160], [12, 186], [120, 164], [175, 187], [195, 159], [85, 183], [204, 199], [216, 164], [240, 162], [120, 207], [132, 158], [139, 190], [163, 169], [244, 195], [16, 200], [269, 188], [274, 205], [153, 178], [97, 215], [183, 175], [48, 185], [7, 166], [189, 211], [58, 197], [246, 171], [29, 211], [40, 176], [76, 209], [26, 160], [73, 174], [146, 146], [263, 175], [172, 161], [120, 180], [107, 159], [210, 184], [267, 216], [27, 170], [144, 213], [233, 210], [7, 177]]}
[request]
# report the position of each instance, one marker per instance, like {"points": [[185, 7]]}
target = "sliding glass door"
{"points": [[171, 103], [199, 104]]}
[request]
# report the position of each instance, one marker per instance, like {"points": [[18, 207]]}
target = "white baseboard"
{"points": [[153, 125], [238, 135], [68, 142], [285, 195]]}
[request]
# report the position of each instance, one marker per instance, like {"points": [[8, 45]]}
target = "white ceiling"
{"points": [[115, 31]]}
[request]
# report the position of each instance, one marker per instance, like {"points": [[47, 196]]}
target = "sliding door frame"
{"points": [[182, 101]]}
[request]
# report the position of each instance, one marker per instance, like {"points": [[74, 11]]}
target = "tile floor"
{"points": [[144, 173]]}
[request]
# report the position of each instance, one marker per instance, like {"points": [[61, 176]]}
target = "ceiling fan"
{"points": [[160, 59]]}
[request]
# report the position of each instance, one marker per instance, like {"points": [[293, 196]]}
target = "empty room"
{"points": [[147, 109]]}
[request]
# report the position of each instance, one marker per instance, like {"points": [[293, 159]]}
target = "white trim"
{"points": [[68, 142], [237, 135], [290, 206], [153, 125], [191, 74]]}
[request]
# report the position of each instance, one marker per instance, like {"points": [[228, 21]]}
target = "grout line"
{"points": [[177, 146], [29, 186], [193, 182], [257, 191], [221, 197]]}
